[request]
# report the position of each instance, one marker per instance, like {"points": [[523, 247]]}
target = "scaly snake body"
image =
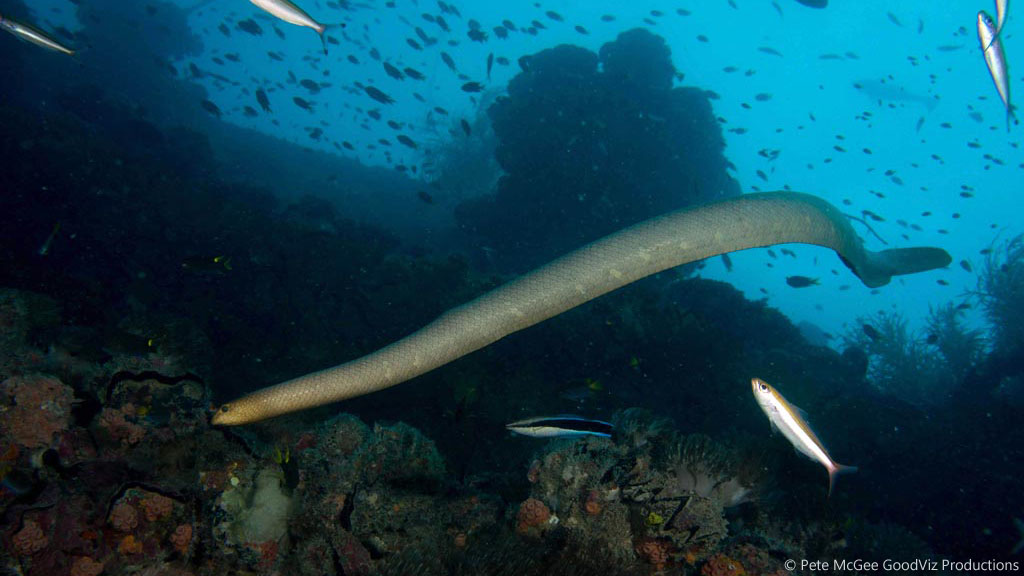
{"points": [[688, 235]]}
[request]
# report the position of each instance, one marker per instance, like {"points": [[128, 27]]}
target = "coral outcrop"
{"points": [[591, 143], [38, 408]]}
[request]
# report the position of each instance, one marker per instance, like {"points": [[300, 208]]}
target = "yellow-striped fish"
{"points": [[995, 59], [33, 35], [292, 14], [790, 421]]}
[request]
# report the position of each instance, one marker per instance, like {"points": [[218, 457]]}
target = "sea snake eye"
{"points": [[225, 408]]}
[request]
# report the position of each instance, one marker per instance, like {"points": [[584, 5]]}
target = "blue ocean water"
{"points": [[172, 244]]}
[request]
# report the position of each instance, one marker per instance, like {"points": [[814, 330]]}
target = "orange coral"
{"points": [[532, 513], [182, 537], [129, 545], [124, 517], [722, 565], [42, 408], [157, 506], [593, 503], [30, 539], [654, 551], [85, 566]]}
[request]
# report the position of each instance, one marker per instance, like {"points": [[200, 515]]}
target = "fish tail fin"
{"points": [[322, 31], [836, 470]]}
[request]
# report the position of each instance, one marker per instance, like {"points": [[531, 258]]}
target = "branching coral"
{"points": [[901, 363]]}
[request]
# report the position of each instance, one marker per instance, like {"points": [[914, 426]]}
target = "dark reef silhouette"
{"points": [[591, 143]]}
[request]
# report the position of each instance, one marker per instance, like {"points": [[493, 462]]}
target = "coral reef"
{"points": [[722, 565], [533, 515], [30, 539], [37, 409], [653, 494]]}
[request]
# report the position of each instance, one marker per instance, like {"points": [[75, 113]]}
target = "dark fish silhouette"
{"points": [[801, 281], [261, 98], [378, 95]]}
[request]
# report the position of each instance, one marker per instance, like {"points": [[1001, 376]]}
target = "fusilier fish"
{"points": [[292, 14], [1000, 15], [564, 426], [33, 35], [790, 420], [995, 59]]}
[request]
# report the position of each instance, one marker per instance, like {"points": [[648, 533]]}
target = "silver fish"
{"points": [[562, 426], [1001, 6], [790, 420], [995, 59], [292, 14], [33, 35]]}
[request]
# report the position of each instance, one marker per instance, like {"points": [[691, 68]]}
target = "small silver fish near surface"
{"points": [[562, 426], [33, 35], [789, 419], [995, 59]]}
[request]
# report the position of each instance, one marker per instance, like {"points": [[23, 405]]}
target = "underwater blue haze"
{"points": [[175, 242]]}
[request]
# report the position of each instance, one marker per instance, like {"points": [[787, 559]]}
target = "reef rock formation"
{"points": [[591, 143]]}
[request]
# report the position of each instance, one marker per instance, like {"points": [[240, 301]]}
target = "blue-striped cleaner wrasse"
{"points": [[561, 426]]}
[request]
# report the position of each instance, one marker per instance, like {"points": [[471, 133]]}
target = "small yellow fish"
{"points": [[790, 421], [206, 264], [33, 35]]}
